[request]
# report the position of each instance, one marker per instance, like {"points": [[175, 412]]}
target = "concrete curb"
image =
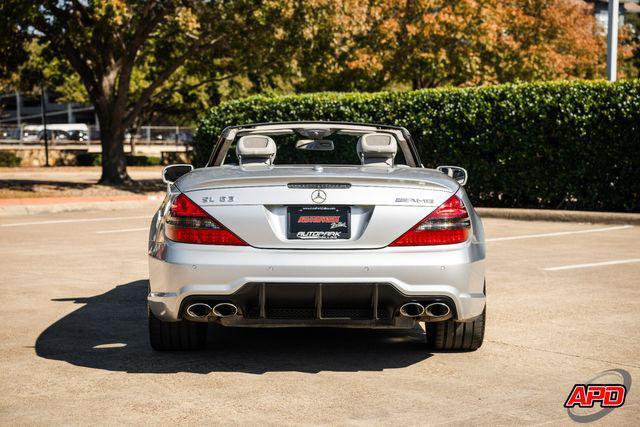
{"points": [[32, 206], [556, 215]]}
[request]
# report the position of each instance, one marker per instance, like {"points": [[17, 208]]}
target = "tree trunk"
{"points": [[114, 165]]}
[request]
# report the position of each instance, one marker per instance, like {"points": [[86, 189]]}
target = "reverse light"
{"points": [[447, 225], [187, 222]]}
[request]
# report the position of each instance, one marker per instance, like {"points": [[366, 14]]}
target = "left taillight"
{"points": [[187, 222], [446, 225]]}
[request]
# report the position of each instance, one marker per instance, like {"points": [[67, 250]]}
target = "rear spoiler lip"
{"points": [[256, 182]]}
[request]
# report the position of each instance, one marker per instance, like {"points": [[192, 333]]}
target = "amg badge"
{"points": [[414, 200]]}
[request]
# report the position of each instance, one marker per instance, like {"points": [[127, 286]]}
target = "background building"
{"points": [[17, 109]]}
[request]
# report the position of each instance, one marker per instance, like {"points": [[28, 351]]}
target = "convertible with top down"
{"points": [[307, 224]]}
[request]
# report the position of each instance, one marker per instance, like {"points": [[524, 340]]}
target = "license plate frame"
{"points": [[318, 222]]}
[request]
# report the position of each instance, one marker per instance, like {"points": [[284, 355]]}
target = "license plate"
{"points": [[318, 222]]}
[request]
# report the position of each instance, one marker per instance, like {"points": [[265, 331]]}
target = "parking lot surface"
{"points": [[563, 306]]}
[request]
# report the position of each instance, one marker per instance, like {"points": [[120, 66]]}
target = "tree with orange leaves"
{"points": [[547, 39], [428, 43]]}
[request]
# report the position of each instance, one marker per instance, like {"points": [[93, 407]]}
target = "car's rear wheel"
{"points": [[180, 335], [456, 336]]}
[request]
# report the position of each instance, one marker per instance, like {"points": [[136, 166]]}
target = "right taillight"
{"points": [[447, 225], [187, 222]]}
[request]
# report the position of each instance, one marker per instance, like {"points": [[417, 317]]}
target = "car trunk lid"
{"points": [[259, 204]]}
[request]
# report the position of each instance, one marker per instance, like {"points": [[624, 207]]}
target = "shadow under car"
{"points": [[110, 332]]}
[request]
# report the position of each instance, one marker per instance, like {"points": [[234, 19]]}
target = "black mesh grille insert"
{"points": [[347, 313], [290, 313]]}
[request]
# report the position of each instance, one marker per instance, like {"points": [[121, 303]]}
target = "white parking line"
{"points": [[594, 264], [71, 221], [560, 233], [122, 231]]}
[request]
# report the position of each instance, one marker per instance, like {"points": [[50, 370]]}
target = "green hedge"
{"points": [[9, 159], [143, 160], [570, 145], [89, 159], [95, 159]]}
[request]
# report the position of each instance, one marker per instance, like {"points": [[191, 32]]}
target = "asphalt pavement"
{"points": [[563, 306]]}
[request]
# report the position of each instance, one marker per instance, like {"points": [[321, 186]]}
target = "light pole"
{"points": [[612, 40], [43, 110]]}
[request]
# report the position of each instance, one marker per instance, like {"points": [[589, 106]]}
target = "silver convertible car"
{"points": [[316, 224]]}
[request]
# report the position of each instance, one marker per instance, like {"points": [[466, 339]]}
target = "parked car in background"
{"points": [[56, 132]]}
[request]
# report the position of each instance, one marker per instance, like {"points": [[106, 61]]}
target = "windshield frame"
{"points": [[230, 133]]}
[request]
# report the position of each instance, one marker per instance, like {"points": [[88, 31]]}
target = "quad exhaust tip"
{"points": [[412, 309], [199, 309], [224, 309], [437, 309]]}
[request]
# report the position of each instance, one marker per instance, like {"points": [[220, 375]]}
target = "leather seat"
{"points": [[377, 149], [256, 150]]}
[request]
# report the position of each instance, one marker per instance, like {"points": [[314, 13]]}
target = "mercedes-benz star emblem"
{"points": [[318, 196]]}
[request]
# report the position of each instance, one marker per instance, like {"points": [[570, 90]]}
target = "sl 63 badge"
{"points": [[221, 199]]}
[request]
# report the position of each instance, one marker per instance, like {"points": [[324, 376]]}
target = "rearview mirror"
{"points": [[455, 172], [171, 173], [315, 145]]}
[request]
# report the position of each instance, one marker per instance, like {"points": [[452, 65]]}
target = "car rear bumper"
{"points": [[179, 272]]}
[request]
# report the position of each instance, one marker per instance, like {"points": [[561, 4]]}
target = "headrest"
{"points": [[256, 150], [377, 149]]}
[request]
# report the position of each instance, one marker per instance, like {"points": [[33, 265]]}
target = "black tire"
{"points": [[456, 336], [180, 335]]}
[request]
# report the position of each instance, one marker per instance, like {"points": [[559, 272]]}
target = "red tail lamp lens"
{"points": [[447, 225], [189, 223]]}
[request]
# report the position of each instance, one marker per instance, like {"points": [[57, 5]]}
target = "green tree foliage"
{"points": [[126, 54], [632, 41]]}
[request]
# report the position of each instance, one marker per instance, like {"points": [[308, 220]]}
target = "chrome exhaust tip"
{"points": [[412, 309], [437, 310], [224, 309], [199, 309]]}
